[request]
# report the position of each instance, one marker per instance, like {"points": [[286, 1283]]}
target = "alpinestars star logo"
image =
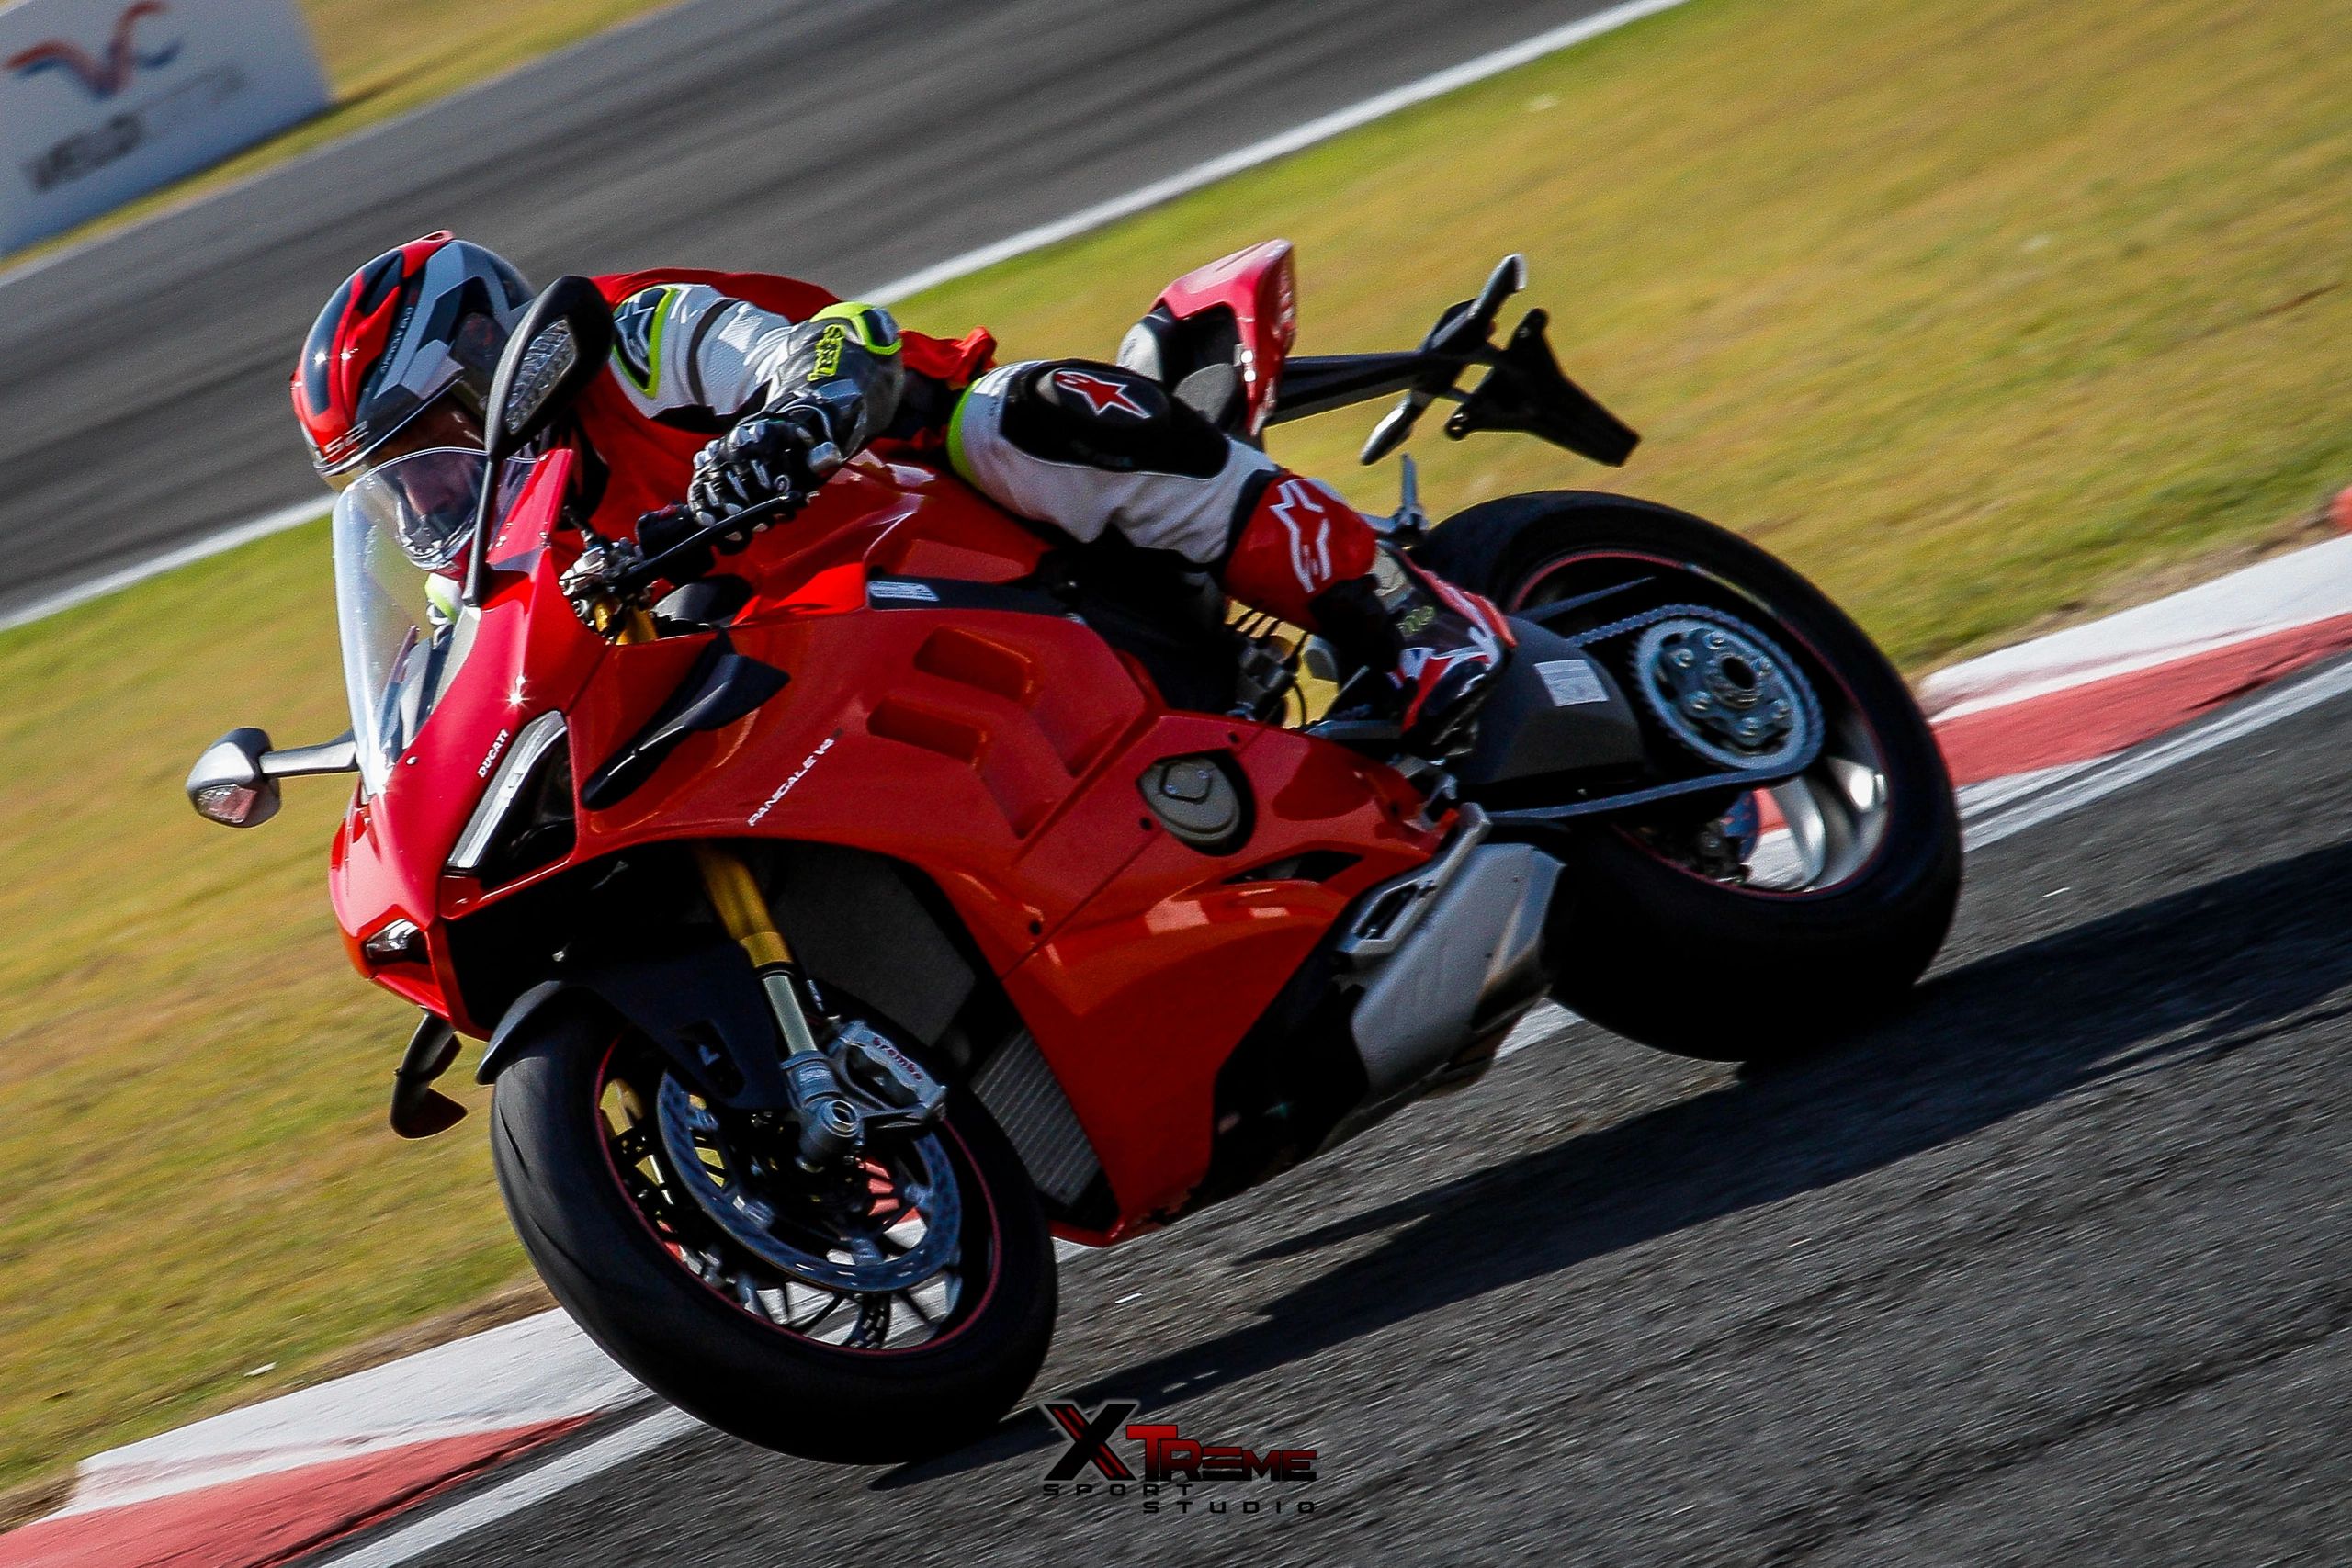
{"points": [[1304, 513], [1101, 395]]}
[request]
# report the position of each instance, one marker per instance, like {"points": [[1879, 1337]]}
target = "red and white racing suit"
{"points": [[1086, 447]]}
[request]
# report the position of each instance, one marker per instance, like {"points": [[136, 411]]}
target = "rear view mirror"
{"points": [[555, 352], [227, 784], [236, 782], [557, 349]]}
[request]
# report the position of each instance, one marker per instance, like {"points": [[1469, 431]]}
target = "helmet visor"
{"points": [[452, 421]]}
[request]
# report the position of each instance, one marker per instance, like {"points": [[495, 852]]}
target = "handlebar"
{"points": [[645, 572]]}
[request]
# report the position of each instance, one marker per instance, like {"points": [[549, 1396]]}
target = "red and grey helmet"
{"points": [[416, 324]]}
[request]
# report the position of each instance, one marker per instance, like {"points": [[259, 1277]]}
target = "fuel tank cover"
{"points": [[1203, 799]]}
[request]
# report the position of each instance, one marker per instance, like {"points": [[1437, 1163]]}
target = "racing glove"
{"points": [[838, 382], [782, 452]]}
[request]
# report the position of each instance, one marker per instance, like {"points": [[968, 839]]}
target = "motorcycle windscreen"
{"points": [[400, 536]]}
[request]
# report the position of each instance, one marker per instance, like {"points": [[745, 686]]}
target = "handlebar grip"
{"points": [[706, 537]]}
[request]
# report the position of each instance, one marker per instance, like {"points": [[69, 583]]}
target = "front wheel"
{"points": [[875, 1314], [1738, 924]]}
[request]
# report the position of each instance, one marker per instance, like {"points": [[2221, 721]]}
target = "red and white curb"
{"points": [[273, 1481], [2098, 689]]}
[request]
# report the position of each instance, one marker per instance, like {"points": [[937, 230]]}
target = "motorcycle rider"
{"points": [[731, 387]]}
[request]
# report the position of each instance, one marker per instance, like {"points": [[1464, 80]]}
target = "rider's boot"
{"points": [[1428, 651]]}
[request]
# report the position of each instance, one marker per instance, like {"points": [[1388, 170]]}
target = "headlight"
{"points": [[399, 942], [509, 808]]}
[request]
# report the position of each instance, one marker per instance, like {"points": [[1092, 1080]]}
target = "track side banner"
{"points": [[102, 100]]}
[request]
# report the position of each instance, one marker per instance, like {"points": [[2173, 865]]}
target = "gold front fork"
{"points": [[736, 896], [625, 623], [828, 1125]]}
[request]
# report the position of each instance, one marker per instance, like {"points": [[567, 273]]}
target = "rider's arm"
{"points": [[690, 353]]}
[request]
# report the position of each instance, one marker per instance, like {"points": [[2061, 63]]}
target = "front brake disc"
{"points": [[710, 1161]]}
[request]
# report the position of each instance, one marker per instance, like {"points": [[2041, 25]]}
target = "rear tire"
{"points": [[1656, 951], [637, 1298]]}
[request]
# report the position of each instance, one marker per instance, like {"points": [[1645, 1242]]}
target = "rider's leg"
{"points": [[1090, 447]]}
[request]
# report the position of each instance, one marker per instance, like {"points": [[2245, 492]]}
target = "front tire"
{"points": [[653, 1285], [1655, 947]]}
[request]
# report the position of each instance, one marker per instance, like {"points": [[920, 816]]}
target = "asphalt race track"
{"points": [[2052, 1270], [143, 402]]}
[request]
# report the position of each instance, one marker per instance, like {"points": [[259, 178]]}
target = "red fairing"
{"points": [[1139, 997], [525, 660], [1259, 286], [998, 751]]}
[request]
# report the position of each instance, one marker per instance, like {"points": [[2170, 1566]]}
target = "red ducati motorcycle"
{"points": [[847, 924]]}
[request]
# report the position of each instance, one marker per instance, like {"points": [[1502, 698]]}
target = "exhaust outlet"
{"points": [[1472, 963]]}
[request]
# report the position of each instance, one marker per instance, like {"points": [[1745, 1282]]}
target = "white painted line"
{"points": [[664, 1426], [1991, 794], [1279, 145], [2135, 766], [98, 587], [1541, 1020]]}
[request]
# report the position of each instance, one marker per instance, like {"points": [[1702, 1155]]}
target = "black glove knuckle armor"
{"points": [[835, 391]]}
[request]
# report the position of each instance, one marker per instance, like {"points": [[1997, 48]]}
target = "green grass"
{"points": [[1978, 312], [384, 58], [200, 1178]]}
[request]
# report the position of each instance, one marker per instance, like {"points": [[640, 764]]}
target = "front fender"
{"points": [[701, 1006]]}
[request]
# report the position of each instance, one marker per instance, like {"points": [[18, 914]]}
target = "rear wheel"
{"points": [[885, 1311], [1745, 924]]}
